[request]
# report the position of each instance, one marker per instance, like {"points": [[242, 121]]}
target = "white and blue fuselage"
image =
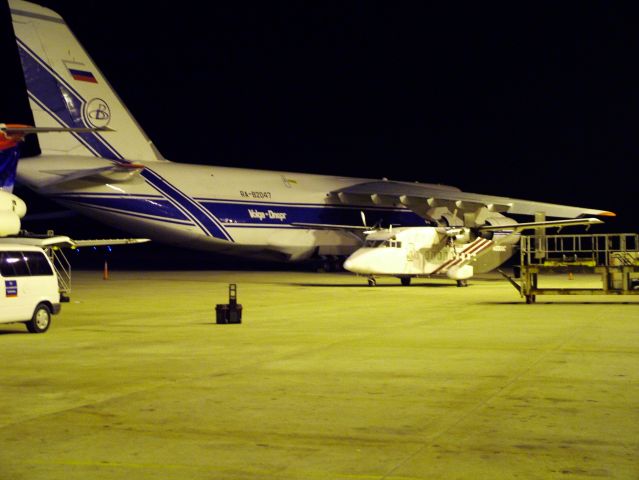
{"points": [[223, 209]]}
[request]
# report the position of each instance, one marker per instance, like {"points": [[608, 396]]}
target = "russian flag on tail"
{"points": [[82, 75]]}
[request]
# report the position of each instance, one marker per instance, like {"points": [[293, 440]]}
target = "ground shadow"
{"points": [[550, 302], [363, 285], [12, 332]]}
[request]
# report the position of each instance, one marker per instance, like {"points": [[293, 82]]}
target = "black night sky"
{"points": [[531, 100]]}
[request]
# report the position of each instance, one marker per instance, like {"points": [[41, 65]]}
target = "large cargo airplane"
{"points": [[119, 178]]}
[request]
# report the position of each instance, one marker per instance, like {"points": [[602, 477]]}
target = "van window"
{"points": [[12, 264], [37, 263], [24, 264]]}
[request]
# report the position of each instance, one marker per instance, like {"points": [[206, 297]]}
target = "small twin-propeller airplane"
{"points": [[457, 252], [118, 177]]}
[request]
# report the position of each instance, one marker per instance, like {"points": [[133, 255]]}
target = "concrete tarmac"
{"points": [[326, 378]]}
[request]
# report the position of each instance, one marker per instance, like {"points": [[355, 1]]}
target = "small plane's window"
{"points": [[37, 263], [399, 244], [12, 264], [373, 243]]}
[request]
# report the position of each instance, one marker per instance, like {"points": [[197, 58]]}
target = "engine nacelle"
{"points": [[461, 236], [497, 219], [461, 273], [12, 209], [449, 220], [9, 224], [505, 237], [11, 203]]}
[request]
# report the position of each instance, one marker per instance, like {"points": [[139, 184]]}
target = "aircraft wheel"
{"points": [[530, 298], [405, 281], [462, 283], [41, 319], [371, 282]]}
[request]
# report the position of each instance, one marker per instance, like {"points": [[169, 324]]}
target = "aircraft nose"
{"points": [[348, 264], [354, 263]]}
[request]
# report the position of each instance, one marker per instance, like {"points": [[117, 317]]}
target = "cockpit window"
{"points": [[373, 243], [382, 244]]}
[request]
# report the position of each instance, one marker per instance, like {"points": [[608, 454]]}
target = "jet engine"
{"points": [[12, 209]]}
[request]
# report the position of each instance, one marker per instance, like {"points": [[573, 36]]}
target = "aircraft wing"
{"points": [[422, 198], [520, 227], [21, 130], [115, 172], [63, 241], [107, 241]]}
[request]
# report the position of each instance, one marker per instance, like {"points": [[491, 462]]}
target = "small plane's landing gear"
{"points": [[462, 283], [405, 281], [531, 298], [372, 282]]}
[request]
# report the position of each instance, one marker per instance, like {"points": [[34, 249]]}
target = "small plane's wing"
{"points": [[423, 198]]}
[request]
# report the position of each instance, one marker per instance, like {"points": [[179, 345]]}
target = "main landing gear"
{"points": [[373, 282]]}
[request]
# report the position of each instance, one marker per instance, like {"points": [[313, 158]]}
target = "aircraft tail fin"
{"points": [[8, 166], [66, 89]]}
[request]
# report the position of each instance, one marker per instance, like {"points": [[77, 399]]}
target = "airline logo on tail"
{"points": [[97, 113]]}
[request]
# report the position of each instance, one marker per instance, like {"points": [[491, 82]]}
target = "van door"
{"points": [[41, 284], [8, 299], [13, 270]]}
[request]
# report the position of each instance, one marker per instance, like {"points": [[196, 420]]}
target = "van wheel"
{"points": [[41, 319]]}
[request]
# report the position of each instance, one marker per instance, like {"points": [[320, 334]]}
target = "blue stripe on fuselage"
{"points": [[154, 207], [127, 213], [278, 214], [201, 216], [237, 214]]}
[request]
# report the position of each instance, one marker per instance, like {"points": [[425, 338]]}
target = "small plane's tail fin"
{"points": [[66, 89], [9, 155], [8, 165]]}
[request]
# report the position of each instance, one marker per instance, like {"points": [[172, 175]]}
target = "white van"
{"points": [[28, 287]]}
